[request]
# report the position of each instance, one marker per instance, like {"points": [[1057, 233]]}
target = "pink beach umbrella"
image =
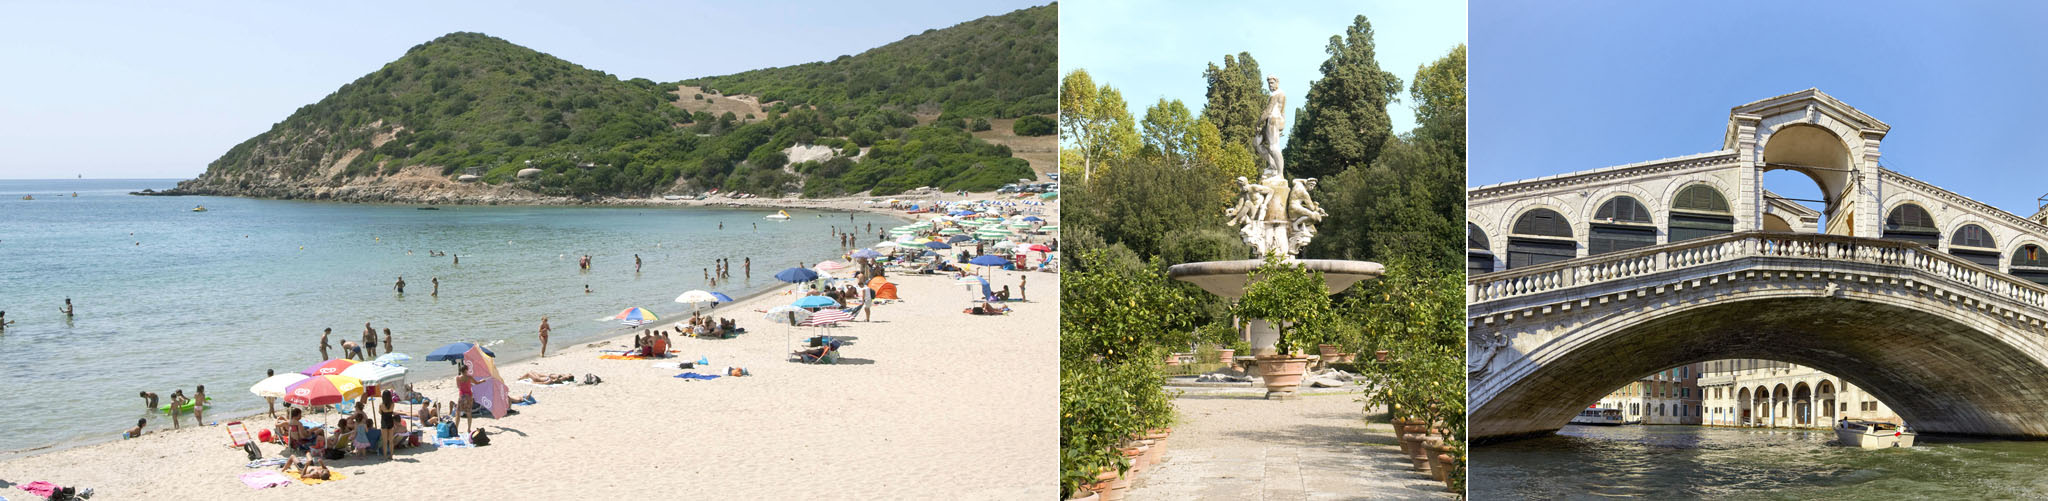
{"points": [[491, 391], [328, 368], [323, 390]]}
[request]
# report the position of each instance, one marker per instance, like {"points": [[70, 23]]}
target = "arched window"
{"points": [[1910, 223], [1540, 236], [2031, 262], [1974, 243], [1620, 224], [1699, 211], [1478, 251]]}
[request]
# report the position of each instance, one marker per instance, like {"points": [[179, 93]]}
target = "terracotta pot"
{"points": [[1403, 429], [1440, 462], [1092, 496], [1112, 486], [1173, 359], [1380, 355], [1224, 355], [1421, 456], [1131, 454], [1329, 352], [1282, 375], [1347, 357], [1451, 468]]}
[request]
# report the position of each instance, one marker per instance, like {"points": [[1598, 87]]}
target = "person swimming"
{"points": [[68, 309]]}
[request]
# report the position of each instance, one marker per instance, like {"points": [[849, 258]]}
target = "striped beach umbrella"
{"points": [[274, 386], [635, 316], [394, 358], [328, 368], [375, 374], [827, 317], [323, 390]]}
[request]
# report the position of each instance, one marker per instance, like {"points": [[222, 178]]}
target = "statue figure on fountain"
{"points": [[1273, 215]]}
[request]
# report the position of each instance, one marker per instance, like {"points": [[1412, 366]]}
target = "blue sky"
{"points": [[1566, 86], [158, 89], [1154, 49]]}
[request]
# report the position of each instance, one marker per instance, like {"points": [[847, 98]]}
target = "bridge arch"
{"points": [[1824, 396], [1985, 379], [1823, 155]]}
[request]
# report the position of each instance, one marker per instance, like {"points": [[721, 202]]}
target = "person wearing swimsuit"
{"points": [[466, 395]]}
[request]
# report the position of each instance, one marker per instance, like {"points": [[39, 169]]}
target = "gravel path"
{"points": [[1237, 445]]}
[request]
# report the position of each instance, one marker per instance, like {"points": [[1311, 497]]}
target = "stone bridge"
{"points": [[1583, 282]]}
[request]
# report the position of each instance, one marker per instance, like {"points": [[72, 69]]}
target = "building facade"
{"points": [[1771, 394], [1670, 396]]}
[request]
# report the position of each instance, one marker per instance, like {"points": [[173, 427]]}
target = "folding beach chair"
{"points": [[830, 355], [238, 434]]}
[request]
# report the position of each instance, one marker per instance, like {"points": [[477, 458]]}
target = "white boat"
{"points": [[201, 208], [779, 216], [1873, 434], [1599, 416], [672, 197]]}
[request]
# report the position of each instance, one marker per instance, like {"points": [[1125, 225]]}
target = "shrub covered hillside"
{"points": [[468, 103], [998, 66]]}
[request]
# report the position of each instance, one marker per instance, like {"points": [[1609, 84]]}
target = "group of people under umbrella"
{"points": [[340, 381]]}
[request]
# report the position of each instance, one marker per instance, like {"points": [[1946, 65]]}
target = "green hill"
{"points": [[468, 103], [998, 66]]}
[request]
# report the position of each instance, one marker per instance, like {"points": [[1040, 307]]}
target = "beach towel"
{"points": [[39, 488], [693, 375], [333, 476], [529, 400], [265, 479], [266, 462], [531, 383], [457, 442]]}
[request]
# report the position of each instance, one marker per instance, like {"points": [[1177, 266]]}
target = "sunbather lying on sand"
{"points": [[545, 378], [987, 309], [311, 466]]}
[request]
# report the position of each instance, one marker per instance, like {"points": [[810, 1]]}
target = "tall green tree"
{"points": [[1096, 121], [1237, 94], [1343, 122], [1439, 95], [1170, 132]]}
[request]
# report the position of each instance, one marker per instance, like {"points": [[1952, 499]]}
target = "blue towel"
{"points": [[693, 375], [529, 400]]}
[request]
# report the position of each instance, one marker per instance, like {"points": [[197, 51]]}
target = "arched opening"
{"points": [[1802, 404], [1824, 393], [2030, 262], [1699, 211], [1742, 407], [1959, 384], [1820, 155], [1478, 251], [1911, 223], [1974, 243], [1540, 236], [1774, 223], [1621, 223]]}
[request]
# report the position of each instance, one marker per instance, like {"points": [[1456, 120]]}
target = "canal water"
{"points": [[1662, 462]]}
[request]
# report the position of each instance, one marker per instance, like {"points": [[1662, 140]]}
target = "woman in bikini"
{"points": [[464, 386], [390, 422]]}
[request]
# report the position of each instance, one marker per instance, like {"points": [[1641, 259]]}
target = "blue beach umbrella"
{"points": [[1032, 218], [961, 213], [814, 302], [937, 245], [453, 352], [959, 238], [796, 275], [866, 254], [722, 297], [989, 260]]}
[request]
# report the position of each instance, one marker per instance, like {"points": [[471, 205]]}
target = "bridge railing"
{"points": [[1618, 266]]}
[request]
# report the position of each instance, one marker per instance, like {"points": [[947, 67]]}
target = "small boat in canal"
{"points": [[1599, 416], [1873, 434]]}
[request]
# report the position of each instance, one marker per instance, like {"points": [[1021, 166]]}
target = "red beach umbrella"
{"points": [[328, 368], [323, 390]]}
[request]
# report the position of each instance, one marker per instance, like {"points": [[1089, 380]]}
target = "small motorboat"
{"points": [[430, 207], [28, 197], [1873, 434], [672, 197], [779, 216], [1600, 416], [201, 208]]}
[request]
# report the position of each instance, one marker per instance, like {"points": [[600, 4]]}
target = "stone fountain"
{"points": [[1276, 217]]}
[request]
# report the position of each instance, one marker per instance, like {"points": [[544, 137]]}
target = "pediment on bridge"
{"points": [[1800, 103]]}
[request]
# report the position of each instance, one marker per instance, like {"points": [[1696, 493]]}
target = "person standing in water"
{"points": [[721, 226], [636, 263], [458, 259], [369, 341], [324, 344], [68, 309], [4, 321], [544, 329], [388, 348], [148, 401], [749, 266], [437, 287], [199, 405], [400, 286]]}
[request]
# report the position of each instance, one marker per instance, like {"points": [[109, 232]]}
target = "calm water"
{"points": [[215, 298], [1661, 462]]}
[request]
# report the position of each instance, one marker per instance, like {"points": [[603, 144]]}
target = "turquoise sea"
{"points": [[169, 299]]}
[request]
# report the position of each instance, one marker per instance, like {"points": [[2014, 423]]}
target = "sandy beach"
{"points": [[929, 403]]}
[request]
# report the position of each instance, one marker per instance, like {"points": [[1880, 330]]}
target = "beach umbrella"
{"points": [[323, 390], [375, 374], [827, 317], [787, 313], [721, 297], [814, 302], [1005, 244], [1038, 248], [453, 352], [491, 391], [959, 238], [866, 254], [697, 297], [829, 266], [635, 316], [328, 368], [1050, 228], [937, 245], [971, 280], [274, 386], [958, 213], [394, 358], [1032, 218], [796, 275]]}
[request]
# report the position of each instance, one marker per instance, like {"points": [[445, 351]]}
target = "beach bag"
{"points": [[479, 438], [250, 448], [444, 430]]}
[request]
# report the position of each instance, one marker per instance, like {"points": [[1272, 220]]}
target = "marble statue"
{"points": [[1274, 215]]}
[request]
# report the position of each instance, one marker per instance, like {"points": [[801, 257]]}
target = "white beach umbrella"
{"points": [[697, 297], [375, 374], [274, 386]]}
